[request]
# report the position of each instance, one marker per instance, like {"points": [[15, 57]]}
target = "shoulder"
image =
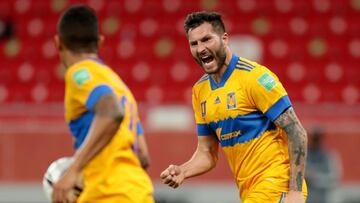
{"points": [[253, 74], [202, 81], [246, 69], [82, 72], [78, 75], [83, 66], [200, 84], [246, 65], [251, 69], [203, 78]]}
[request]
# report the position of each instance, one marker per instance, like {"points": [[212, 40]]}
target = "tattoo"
{"points": [[299, 153], [297, 146], [299, 180], [108, 106]]}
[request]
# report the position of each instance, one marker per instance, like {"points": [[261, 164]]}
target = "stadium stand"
{"points": [[312, 45]]}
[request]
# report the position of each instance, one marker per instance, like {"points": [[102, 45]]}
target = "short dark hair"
{"points": [[196, 19], [78, 29]]}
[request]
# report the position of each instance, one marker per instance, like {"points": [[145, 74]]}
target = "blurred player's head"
{"points": [[208, 40], [78, 32]]}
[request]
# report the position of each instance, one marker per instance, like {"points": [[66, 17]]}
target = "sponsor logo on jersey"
{"points": [[230, 135]]}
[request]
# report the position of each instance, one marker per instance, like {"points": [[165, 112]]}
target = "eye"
{"points": [[205, 39], [193, 43]]}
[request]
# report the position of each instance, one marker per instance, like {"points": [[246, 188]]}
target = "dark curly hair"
{"points": [[195, 19]]}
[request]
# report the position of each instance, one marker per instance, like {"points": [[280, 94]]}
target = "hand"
{"points": [[294, 197], [173, 176], [63, 187]]}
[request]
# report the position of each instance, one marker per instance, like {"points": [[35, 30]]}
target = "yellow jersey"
{"points": [[240, 112], [115, 174]]}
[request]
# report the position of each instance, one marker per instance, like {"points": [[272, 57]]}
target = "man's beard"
{"points": [[219, 57]]}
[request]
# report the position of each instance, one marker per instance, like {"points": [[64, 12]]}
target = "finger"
{"points": [[59, 196], [172, 184], [172, 169], [176, 185], [65, 196], [66, 199], [177, 182], [69, 199], [168, 179], [56, 198], [164, 174]]}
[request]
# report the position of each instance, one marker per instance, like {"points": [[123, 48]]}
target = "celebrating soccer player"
{"points": [[243, 106]]}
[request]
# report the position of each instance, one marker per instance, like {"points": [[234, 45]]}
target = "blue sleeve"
{"points": [[139, 129], [278, 108], [96, 94], [204, 130]]}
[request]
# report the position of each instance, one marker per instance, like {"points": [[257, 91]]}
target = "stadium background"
{"points": [[312, 45]]}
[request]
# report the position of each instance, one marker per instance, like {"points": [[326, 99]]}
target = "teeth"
{"points": [[205, 58]]}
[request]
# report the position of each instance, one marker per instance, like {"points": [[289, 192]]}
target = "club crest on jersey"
{"points": [[203, 108], [231, 100]]}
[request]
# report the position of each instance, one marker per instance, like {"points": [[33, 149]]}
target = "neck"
{"points": [[72, 58], [218, 75]]}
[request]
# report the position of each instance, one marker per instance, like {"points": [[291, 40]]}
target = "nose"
{"points": [[201, 47]]}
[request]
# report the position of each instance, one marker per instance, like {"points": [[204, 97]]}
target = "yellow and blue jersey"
{"points": [[240, 112], [139, 132], [115, 174]]}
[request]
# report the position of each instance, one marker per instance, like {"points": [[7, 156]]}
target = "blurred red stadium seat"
{"points": [[312, 34]]}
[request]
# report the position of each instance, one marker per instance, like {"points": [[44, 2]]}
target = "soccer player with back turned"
{"points": [[243, 106], [102, 115]]}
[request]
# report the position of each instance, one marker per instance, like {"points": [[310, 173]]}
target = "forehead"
{"points": [[201, 31]]}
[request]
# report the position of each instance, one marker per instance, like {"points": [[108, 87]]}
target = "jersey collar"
{"points": [[226, 74], [96, 59]]}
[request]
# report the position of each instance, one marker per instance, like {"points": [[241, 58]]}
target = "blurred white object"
{"points": [[247, 46], [56, 169]]}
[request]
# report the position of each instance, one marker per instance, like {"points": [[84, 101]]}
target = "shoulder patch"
{"points": [[267, 81], [203, 78], [81, 76]]}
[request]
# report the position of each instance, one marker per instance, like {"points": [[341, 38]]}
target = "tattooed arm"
{"points": [[297, 147]]}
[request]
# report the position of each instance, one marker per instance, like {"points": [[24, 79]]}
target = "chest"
{"points": [[224, 102]]}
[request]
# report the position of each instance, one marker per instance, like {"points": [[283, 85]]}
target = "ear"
{"points": [[57, 42], [101, 41], [225, 38]]}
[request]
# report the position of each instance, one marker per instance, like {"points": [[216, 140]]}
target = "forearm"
{"points": [[297, 154], [143, 153], [100, 134], [107, 120], [200, 163], [297, 146]]}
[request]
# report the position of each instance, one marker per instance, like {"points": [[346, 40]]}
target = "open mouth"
{"points": [[207, 59]]}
